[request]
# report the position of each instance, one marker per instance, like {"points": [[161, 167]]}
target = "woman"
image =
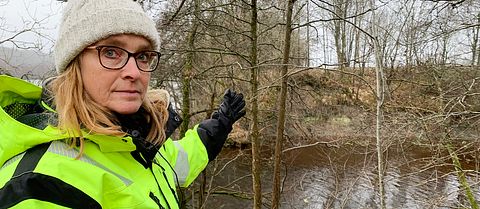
{"points": [[92, 138]]}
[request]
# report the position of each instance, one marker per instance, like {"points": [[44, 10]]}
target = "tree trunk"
{"points": [[256, 159], [307, 60], [475, 44], [186, 97], [340, 32], [187, 73], [343, 33], [281, 109], [380, 99]]}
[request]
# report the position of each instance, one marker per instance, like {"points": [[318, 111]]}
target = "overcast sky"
{"points": [[16, 15]]}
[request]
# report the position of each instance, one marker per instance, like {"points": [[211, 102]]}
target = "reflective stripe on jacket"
{"points": [[39, 170]]}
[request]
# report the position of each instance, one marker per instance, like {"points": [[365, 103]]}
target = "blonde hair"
{"points": [[76, 111]]}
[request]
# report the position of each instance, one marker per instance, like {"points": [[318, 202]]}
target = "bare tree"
{"points": [[25, 41], [256, 158], [475, 42], [380, 99], [187, 72], [31, 26], [282, 97]]}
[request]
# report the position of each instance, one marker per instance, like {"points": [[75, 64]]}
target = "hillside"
{"points": [[31, 63], [335, 106]]}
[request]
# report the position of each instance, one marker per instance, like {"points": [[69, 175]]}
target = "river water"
{"points": [[346, 177]]}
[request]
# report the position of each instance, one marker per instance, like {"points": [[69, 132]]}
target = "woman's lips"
{"points": [[128, 93]]}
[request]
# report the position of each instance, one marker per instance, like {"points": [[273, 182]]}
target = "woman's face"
{"points": [[122, 90]]}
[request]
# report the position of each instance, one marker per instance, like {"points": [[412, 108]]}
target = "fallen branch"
{"points": [[241, 195], [304, 146]]}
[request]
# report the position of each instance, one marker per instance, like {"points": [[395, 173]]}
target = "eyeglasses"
{"points": [[115, 58]]}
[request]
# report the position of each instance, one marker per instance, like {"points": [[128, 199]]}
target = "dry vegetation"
{"points": [[425, 106]]}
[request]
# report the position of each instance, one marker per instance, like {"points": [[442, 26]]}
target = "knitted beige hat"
{"points": [[85, 22], [158, 95]]}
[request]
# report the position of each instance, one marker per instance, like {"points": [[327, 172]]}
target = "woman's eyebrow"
{"points": [[113, 42], [144, 47]]}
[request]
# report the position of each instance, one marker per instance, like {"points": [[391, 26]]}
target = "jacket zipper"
{"points": [[155, 198]]}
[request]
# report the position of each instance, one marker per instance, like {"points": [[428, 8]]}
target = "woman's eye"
{"points": [[143, 57], [111, 53]]}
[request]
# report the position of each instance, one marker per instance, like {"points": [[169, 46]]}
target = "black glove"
{"points": [[213, 132], [231, 109]]}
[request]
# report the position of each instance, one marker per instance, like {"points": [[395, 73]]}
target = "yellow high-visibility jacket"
{"points": [[39, 170]]}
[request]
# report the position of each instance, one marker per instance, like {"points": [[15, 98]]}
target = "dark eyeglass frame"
{"points": [[130, 54]]}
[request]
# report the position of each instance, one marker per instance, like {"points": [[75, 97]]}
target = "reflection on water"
{"points": [[350, 181], [321, 188]]}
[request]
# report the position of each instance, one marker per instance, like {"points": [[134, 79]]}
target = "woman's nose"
{"points": [[131, 70]]}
